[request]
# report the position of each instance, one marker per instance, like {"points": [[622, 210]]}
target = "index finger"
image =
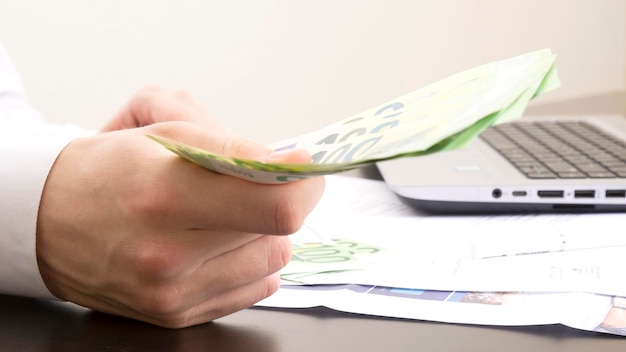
{"points": [[209, 200]]}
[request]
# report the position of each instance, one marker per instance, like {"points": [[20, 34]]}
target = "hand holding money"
{"points": [[128, 228]]}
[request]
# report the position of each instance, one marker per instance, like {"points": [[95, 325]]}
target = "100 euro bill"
{"points": [[444, 115]]}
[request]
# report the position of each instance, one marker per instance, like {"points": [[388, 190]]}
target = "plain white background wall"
{"points": [[273, 69]]}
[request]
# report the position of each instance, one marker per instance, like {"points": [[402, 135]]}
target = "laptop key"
{"points": [[562, 167], [592, 168], [542, 175], [573, 174], [600, 174]]}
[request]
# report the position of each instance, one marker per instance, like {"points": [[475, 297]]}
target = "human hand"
{"points": [[154, 105], [128, 228]]}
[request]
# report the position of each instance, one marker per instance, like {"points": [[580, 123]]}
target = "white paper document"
{"points": [[578, 310], [362, 245]]}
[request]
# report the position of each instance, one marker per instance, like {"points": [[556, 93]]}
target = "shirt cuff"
{"points": [[28, 149]]}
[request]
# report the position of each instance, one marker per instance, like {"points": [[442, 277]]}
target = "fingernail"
{"points": [[279, 154]]}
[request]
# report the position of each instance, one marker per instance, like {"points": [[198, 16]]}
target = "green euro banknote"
{"points": [[314, 259], [444, 115]]}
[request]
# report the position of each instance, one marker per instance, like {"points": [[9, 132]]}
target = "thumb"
{"points": [[244, 149], [293, 156], [226, 144]]}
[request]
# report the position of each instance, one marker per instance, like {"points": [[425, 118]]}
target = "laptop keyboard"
{"points": [[548, 150]]}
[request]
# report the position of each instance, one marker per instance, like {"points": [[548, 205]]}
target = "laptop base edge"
{"points": [[461, 208]]}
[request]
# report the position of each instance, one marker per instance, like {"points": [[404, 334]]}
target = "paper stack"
{"points": [[364, 251]]}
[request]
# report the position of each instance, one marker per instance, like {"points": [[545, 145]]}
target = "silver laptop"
{"points": [[536, 164]]}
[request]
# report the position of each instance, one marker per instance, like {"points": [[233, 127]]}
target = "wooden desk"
{"points": [[32, 325]]}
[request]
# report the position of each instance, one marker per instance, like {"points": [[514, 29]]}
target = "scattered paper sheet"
{"points": [[578, 310]]}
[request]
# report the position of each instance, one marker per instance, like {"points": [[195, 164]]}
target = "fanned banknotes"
{"points": [[444, 115]]}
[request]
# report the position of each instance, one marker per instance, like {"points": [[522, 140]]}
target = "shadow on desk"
{"points": [[32, 325]]}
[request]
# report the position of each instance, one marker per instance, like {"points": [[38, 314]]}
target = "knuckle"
{"points": [[155, 263], [151, 197], [233, 147], [146, 94], [165, 304], [280, 254], [150, 201], [183, 95], [173, 128], [237, 147], [151, 89], [294, 203], [272, 284], [287, 216], [157, 291]]}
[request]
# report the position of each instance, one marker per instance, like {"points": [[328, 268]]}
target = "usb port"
{"points": [[550, 194], [520, 193], [615, 193], [584, 193]]}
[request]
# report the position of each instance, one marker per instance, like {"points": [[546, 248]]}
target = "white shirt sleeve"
{"points": [[28, 148]]}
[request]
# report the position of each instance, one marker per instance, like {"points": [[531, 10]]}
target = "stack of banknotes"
{"points": [[441, 116]]}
